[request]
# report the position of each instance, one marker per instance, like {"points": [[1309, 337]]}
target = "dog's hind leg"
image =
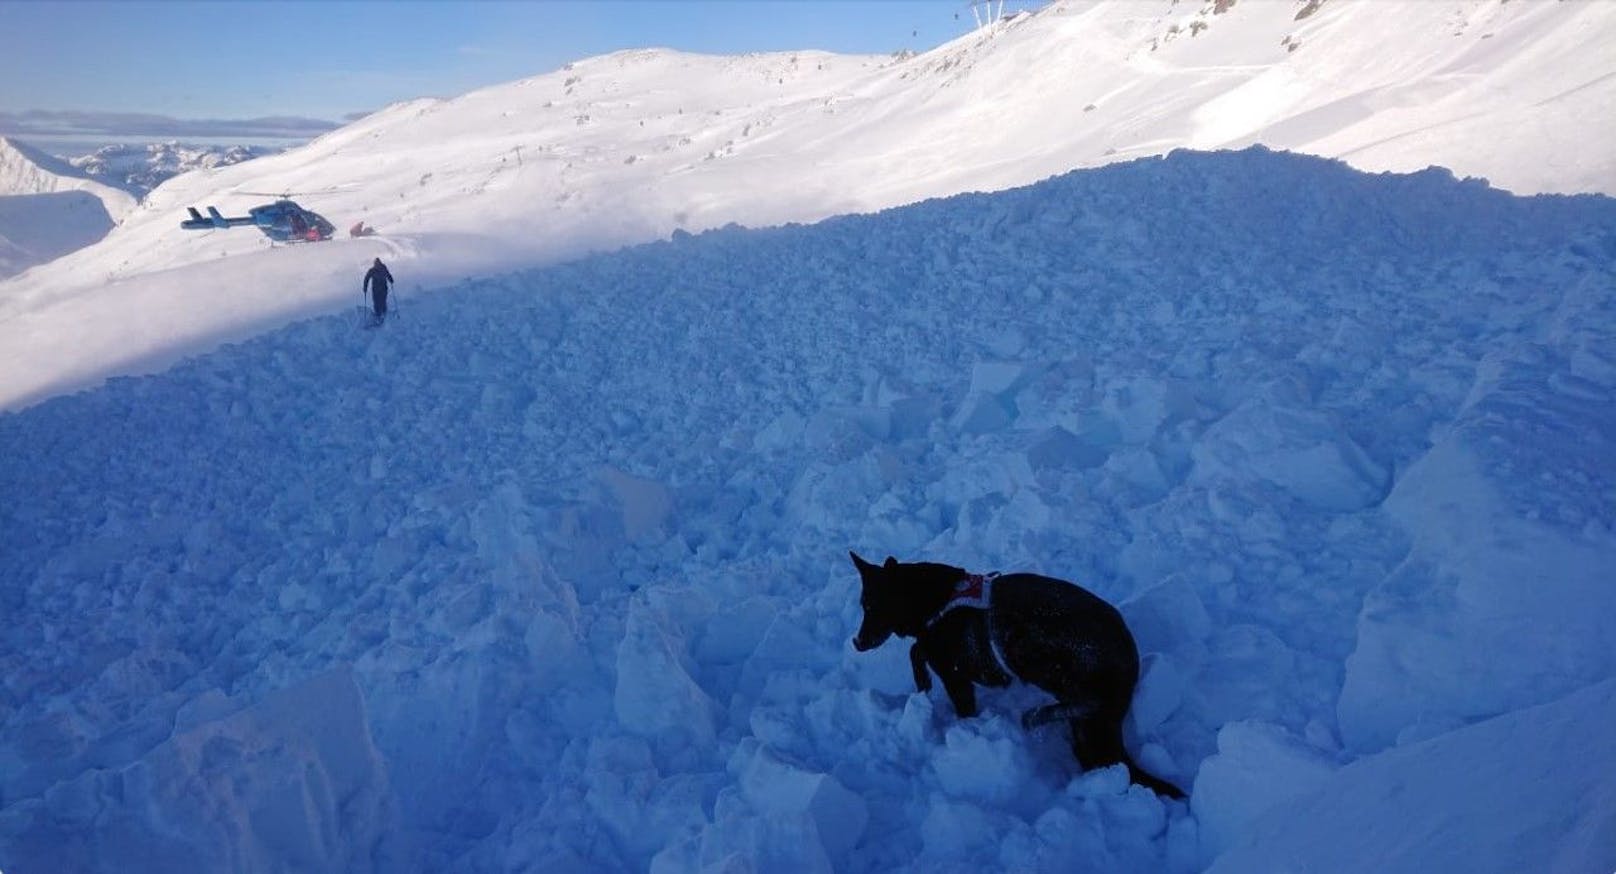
{"points": [[1097, 742], [917, 660]]}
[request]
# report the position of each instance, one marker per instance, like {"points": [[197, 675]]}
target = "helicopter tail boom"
{"points": [[199, 222]]}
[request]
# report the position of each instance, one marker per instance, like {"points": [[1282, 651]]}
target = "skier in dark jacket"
{"points": [[377, 279]]}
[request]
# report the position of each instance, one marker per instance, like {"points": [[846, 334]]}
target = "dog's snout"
{"points": [[864, 641]]}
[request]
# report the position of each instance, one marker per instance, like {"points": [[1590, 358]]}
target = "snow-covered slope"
{"points": [[549, 573], [49, 208], [633, 146], [35, 228], [1390, 813]]}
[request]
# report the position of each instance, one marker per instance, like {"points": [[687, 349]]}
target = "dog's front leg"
{"points": [[917, 660]]}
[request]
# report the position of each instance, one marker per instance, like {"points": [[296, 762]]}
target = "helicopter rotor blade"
{"points": [[286, 194]]}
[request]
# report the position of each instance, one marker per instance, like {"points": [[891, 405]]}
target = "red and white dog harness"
{"points": [[975, 592]]}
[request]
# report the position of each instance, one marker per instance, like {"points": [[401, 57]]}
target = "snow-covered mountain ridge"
{"points": [[51, 206], [25, 170], [140, 168], [632, 146]]}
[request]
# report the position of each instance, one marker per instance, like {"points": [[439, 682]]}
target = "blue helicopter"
{"points": [[282, 221]]}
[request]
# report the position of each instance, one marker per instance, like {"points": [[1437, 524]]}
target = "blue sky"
{"points": [[327, 60]]}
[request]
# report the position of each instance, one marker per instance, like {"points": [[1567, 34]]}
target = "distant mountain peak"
{"points": [[25, 169], [140, 168], [19, 153]]}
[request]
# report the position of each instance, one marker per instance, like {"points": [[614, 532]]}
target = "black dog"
{"points": [[993, 629]]}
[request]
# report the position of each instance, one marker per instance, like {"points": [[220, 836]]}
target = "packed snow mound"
{"points": [[630, 147], [293, 778], [561, 553], [1492, 563], [1391, 812]]}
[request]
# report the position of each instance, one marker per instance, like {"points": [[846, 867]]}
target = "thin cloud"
{"points": [[48, 123]]}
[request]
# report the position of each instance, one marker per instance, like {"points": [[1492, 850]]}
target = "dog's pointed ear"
{"points": [[867, 572], [891, 563]]}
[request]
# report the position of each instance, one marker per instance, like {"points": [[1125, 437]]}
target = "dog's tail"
{"points": [[1073, 713]]}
